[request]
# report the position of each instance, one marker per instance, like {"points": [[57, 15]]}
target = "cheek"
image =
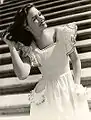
{"points": [[36, 22], [43, 17]]}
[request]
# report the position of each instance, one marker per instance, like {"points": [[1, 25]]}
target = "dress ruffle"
{"points": [[83, 93], [37, 98], [28, 51]]}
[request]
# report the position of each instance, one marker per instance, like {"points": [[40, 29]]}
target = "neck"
{"points": [[39, 36], [44, 39]]}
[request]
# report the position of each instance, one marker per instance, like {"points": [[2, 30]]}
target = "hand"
{"points": [[80, 90], [10, 43]]}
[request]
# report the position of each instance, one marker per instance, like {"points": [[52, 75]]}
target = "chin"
{"points": [[45, 26]]}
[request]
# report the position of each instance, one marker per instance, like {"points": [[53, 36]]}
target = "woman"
{"points": [[57, 95]]}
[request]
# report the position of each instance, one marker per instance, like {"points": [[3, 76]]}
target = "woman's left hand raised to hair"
{"points": [[8, 42]]}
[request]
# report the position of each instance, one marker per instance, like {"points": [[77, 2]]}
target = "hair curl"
{"points": [[17, 31]]}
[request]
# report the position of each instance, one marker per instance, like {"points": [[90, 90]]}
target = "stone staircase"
{"points": [[14, 102]]}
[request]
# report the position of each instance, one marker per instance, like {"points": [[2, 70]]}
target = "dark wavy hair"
{"points": [[17, 31]]}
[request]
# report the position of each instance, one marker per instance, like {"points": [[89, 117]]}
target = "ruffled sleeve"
{"points": [[70, 37], [27, 51]]}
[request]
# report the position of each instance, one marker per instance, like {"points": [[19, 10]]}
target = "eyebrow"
{"points": [[34, 16]]}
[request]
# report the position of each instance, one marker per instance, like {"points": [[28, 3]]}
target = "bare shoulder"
{"points": [[50, 29], [55, 29]]}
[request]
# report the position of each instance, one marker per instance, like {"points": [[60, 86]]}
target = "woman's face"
{"points": [[36, 21]]}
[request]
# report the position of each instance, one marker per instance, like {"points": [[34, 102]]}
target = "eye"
{"points": [[34, 19], [40, 14]]}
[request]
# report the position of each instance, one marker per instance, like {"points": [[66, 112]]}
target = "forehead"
{"points": [[32, 12]]}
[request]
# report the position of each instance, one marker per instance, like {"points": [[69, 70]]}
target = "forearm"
{"points": [[21, 69], [77, 71]]}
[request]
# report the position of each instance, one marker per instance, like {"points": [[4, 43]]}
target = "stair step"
{"points": [[69, 11], [59, 20], [82, 24], [16, 117], [8, 68], [69, 18], [4, 48], [7, 71], [79, 43], [14, 81], [84, 34], [41, 5], [14, 85], [14, 4], [51, 9], [14, 104], [53, 3], [1, 42], [82, 46], [83, 43], [86, 57], [65, 6], [5, 59], [85, 31], [18, 104], [10, 2]]}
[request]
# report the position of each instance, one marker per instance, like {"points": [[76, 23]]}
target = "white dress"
{"points": [[59, 100]]}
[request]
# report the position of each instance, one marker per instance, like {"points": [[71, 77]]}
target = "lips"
{"points": [[42, 23]]}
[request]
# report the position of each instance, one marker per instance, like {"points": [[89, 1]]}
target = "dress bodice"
{"points": [[53, 60]]}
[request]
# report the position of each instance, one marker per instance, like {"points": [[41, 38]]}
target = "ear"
{"points": [[27, 28]]}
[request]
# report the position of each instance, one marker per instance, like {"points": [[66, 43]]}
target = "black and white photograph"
{"points": [[45, 59]]}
